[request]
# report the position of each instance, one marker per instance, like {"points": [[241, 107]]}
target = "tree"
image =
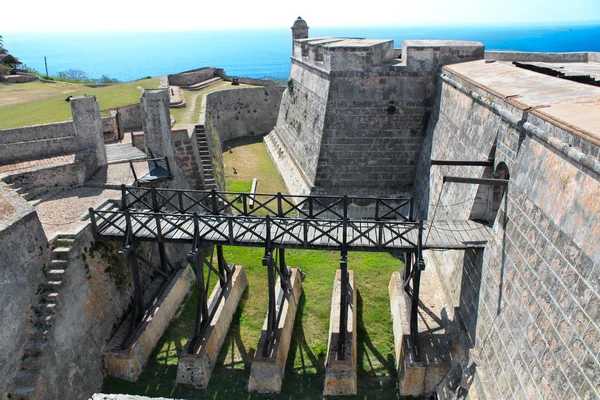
{"points": [[2, 49], [73, 75]]}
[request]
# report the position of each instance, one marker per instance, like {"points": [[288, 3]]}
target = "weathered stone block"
{"points": [[266, 374], [340, 375], [128, 364], [196, 369]]}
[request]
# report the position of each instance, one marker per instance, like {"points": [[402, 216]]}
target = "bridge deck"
{"points": [[304, 233]]}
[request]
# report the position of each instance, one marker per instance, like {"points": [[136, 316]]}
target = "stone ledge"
{"points": [[196, 369], [266, 374], [128, 364], [340, 375]]}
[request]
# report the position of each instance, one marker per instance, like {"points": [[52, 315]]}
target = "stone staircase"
{"points": [[207, 169], [25, 385], [203, 84]]}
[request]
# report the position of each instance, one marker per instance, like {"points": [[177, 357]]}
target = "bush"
{"points": [[5, 70]]}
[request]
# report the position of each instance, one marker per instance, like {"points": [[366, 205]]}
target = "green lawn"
{"points": [[41, 103], [305, 367]]}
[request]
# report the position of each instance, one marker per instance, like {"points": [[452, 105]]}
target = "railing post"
{"points": [[93, 220], [279, 205], [376, 209], [202, 304], [215, 207], [181, 208], [222, 266], [245, 201], [414, 327], [310, 207], [123, 197], [268, 232], [285, 271], [343, 306], [271, 317], [411, 209]]}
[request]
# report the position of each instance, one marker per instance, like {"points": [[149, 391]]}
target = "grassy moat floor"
{"points": [[304, 373]]}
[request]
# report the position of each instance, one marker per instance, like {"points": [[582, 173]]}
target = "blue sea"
{"points": [[253, 53]]}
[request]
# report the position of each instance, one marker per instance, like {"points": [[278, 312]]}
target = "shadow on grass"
{"points": [[242, 141]]}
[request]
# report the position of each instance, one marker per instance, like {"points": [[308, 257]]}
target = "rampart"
{"points": [[528, 305], [353, 118], [37, 141], [24, 254], [191, 77]]}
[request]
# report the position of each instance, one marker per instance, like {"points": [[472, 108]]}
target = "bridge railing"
{"points": [[259, 230], [275, 205]]}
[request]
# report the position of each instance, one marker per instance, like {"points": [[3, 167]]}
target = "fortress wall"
{"points": [[130, 117], [37, 132], [533, 56], [374, 130], [529, 306], [301, 118], [191, 77], [23, 255], [185, 144], [242, 112], [248, 81]]}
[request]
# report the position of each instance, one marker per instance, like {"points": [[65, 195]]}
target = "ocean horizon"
{"points": [[256, 53]]}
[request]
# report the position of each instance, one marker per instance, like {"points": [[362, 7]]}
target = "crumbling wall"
{"points": [[23, 255], [243, 112], [529, 305]]}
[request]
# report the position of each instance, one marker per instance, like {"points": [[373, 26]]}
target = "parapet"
{"points": [[344, 54], [356, 54], [430, 55]]}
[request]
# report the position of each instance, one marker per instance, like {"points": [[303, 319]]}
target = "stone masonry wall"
{"points": [[243, 112], [529, 305], [191, 77], [23, 255], [373, 133], [301, 117], [186, 152]]}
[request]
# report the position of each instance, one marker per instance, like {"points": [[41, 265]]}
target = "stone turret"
{"points": [[299, 29]]}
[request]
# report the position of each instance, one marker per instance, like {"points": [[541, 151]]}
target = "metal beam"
{"points": [[465, 163], [476, 181]]}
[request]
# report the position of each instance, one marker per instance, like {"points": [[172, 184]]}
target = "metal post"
{"points": [[376, 209], [271, 317], [164, 264], [123, 197], [285, 271], [46, 64], [408, 258], [222, 267], [414, 328], [343, 285], [202, 304], [279, 205], [137, 312], [215, 207]]}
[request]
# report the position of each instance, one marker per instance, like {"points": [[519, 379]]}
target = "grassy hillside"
{"points": [[41, 103]]}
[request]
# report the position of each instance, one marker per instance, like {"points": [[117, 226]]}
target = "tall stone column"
{"points": [[156, 121], [88, 125]]}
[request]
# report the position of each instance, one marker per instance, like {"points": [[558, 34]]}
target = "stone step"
{"points": [[27, 377], [61, 253], [31, 362], [55, 274], [22, 393], [50, 296], [38, 332], [51, 285], [45, 308], [34, 347], [59, 264], [44, 320]]}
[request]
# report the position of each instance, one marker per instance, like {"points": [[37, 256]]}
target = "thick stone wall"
{"points": [[23, 255], [353, 118], [37, 141], [185, 144], [528, 305], [188, 78], [243, 112], [130, 118]]}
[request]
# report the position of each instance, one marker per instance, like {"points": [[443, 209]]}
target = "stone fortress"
{"points": [[518, 318]]}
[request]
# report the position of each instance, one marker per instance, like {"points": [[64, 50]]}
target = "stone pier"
{"points": [[195, 369], [340, 375], [266, 374]]}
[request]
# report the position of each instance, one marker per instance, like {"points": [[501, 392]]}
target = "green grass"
{"points": [[41, 103], [304, 374]]}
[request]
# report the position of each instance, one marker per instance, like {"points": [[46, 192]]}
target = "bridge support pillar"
{"points": [[128, 363], [340, 372], [266, 374], [195, 369]]}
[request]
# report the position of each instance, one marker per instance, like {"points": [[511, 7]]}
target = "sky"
{"points": [[153, 15]]}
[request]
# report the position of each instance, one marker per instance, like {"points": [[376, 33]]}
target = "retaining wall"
{"points": [[529, 305], [23, 255]]}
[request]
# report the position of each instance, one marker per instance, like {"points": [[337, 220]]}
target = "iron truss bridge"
{"points": [[207, 220]]}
